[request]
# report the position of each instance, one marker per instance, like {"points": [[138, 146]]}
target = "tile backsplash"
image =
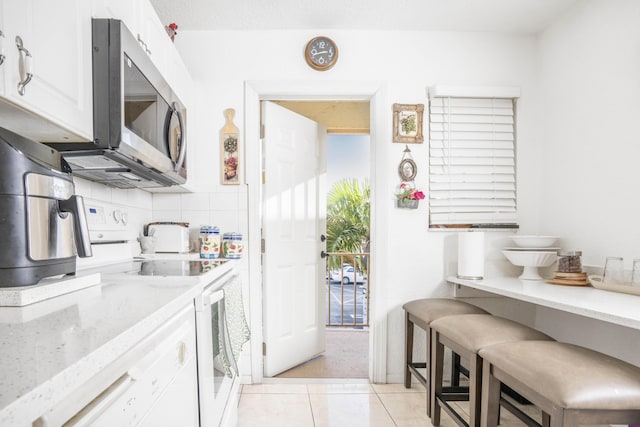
{"points": [[225, 209]]}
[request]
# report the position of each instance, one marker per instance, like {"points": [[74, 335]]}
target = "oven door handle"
{"points": [[211, 297]]}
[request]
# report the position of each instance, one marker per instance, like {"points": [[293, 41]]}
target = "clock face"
{"points": [[321, 53]]}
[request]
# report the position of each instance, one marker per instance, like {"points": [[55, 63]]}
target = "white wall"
{"points": [[407, 63], [589, 64], [590, 90]]}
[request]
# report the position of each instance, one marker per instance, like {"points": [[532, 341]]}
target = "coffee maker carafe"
{"points": [[42, 222]]}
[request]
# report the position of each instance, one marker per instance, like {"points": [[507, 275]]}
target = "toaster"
{"points": [[170, 237]]}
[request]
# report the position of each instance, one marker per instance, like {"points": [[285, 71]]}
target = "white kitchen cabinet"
{"points": [[56, 40], [153, 384]]}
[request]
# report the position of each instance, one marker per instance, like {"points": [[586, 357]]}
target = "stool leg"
{"points": [[475, 389], [408, 350], [455, 369], [428, 372], [546, 421], [490, 401], [437, 362]]}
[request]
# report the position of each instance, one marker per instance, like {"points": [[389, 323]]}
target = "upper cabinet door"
{"points": [[52, 41]]}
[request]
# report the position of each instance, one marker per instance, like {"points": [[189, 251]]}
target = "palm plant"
{"points": [[348, 221]]}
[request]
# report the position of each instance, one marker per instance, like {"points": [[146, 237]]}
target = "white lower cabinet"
{"points": [[157, 385], [178, 405]]}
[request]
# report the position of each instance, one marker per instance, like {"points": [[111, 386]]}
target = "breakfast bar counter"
{"points": [[616, 308]]}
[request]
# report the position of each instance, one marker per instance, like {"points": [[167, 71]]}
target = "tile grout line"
{"points": [[313, 418], [385, 407]]}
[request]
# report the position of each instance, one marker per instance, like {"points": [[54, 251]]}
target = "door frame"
{"points": [[274, 90]]}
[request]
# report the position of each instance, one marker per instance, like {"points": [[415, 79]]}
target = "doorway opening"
{"points": [[347, 248], [346, 239]]}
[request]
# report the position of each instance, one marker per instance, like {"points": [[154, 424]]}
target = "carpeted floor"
{"points": [[347, 356]]}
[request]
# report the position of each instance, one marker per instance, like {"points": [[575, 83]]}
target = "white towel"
{"points": [[237, 330]]}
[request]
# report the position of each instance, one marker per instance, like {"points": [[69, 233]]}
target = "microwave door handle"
{"points": [[75, 205], [182, 140]]}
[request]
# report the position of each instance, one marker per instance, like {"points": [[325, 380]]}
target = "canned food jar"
{"points": [[569, 261], [209, 242], [232, 245]]}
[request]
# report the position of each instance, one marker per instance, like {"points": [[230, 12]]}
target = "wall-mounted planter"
{"points": [[407, 203]]}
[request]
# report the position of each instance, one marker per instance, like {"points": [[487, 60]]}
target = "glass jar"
{"points": [[209, 241], [569, 261], [232, 245]]}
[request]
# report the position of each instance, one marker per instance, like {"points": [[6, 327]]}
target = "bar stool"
{"points": [[572, 385], [422, 312], [466, 335]]}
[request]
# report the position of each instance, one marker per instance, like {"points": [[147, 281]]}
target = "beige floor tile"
{"points": [[398, 388], [349, 410], [462, 408], [406, 409], [275, 410], [339, 388], [274, 388]]}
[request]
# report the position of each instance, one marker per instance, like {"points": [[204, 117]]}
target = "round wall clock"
{"points": [[321, 53]]}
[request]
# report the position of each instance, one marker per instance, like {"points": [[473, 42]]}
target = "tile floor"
{"points": [[340, 405]]}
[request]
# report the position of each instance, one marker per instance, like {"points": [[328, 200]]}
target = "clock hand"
{"points": [[319, 53]]}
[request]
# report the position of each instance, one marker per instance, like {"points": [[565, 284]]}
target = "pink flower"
{"points": [[407, 193]]}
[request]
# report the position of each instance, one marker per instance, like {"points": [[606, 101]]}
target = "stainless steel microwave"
{"points": [[139, 122]]}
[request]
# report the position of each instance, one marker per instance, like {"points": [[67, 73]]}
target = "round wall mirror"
{"points": [[407, 170]]}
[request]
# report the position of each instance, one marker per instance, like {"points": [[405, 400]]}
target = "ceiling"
{"points": [[340, 117], [504, 16]]}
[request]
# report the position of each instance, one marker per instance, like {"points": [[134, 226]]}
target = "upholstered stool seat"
{"points": [[466, 335], [422, 312], [572, 385]]}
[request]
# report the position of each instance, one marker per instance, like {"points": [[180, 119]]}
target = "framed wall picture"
{"points": [[407, 123], [230, 149]]}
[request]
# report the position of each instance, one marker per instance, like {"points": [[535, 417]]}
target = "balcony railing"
{"points": [[348, 289]]}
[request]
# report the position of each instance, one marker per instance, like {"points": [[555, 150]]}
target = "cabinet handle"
{"points": [[26, 66], [1, 47]]}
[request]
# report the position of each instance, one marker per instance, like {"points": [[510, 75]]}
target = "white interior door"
{"points": [[294, 212]]}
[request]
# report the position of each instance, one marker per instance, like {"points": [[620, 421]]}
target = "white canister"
{"points": [[471, 255], [232, 245], [209, 242]]}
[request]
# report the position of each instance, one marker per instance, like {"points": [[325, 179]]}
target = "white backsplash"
{"points": [[226, 209]]}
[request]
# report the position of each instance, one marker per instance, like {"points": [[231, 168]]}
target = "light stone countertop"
{"points": [[51, 348], [617, 308]]}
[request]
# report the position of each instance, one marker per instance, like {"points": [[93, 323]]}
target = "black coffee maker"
{"points": [[42, 222]]}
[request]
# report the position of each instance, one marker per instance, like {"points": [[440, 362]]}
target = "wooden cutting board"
{"points": [[575, 276], [569, 282]]}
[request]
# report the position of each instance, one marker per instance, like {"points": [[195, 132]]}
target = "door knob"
{"points": [[323, 237], [323, 254]]}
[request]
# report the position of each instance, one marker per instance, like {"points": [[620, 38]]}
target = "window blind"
{"points": [[472, 168]]}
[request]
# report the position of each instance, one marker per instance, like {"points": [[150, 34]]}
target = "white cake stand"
{"points": [[530, 261]]}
